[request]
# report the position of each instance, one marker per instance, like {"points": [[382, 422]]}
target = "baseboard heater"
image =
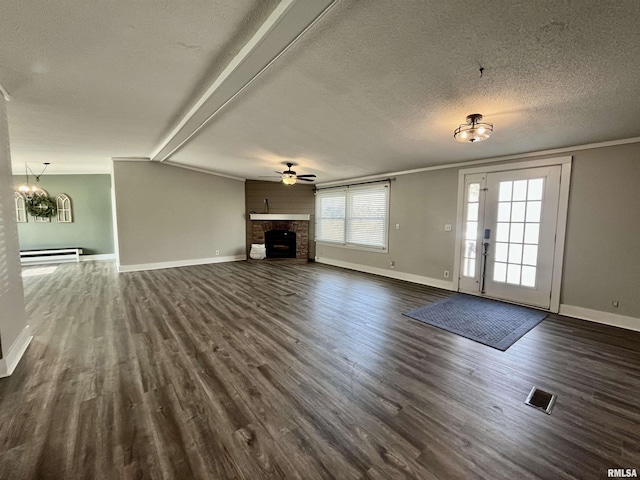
{"points": [[52, 255]]}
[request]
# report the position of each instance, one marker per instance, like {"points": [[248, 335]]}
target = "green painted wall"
{"points": [[92, 227]]}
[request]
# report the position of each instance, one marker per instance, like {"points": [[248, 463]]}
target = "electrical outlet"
{"points": [[446, 274], [447, 227], [217, 252], [615, 304], [397, 226], [392, 264]]}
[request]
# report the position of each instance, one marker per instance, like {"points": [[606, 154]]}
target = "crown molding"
{"points": [[130, 159], [519, 156], [202, 170]]}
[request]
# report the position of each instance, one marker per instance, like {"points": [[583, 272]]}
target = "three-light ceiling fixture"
{"points": [[474, 130]]}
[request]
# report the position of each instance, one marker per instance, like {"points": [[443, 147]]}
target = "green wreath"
{"points": [[41, 206]]}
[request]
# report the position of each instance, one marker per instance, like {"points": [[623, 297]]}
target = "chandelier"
{"points": [[474, 130], [26, 188]]}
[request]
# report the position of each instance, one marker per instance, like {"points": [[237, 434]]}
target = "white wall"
{"points": [[13, 319], [169, 216]]}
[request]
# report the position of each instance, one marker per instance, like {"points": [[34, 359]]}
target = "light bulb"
{"points": [[481, 130], [289, 179], [464, 135]]}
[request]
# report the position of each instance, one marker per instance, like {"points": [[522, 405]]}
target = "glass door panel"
{"points": [[521, 211], [473, 216]]}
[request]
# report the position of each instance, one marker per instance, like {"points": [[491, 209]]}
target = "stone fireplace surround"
{"points": [[299, 226]]}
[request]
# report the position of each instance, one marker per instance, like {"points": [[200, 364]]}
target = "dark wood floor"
{"points": [[251, 370]]}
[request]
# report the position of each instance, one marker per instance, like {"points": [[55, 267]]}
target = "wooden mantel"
{"points": [[280, 216]]}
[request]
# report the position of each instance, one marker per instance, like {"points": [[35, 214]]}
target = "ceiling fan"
{"points": [[290, 177]]}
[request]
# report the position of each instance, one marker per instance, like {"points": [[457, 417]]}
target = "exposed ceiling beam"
{"points": [[287, 23], [4, 93]]}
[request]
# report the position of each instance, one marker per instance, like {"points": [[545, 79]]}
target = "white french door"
{"points": [[509, 234]]}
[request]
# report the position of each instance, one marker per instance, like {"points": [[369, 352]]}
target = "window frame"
{"points": [[20, 202], [348, 199], [64, 212]]}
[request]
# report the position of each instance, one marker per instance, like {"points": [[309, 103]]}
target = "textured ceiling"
{"points": [[101, 79], [373, 87]]}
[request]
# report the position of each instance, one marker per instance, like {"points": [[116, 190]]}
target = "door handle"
{"points": [[485, 252]]}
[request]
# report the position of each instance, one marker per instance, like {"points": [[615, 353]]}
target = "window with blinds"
{"points": [[330, 216], [354, 216]]}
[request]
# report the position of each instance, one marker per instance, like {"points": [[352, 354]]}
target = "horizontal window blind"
{"points": [[330, 213], [355, 216], [367, 216]]}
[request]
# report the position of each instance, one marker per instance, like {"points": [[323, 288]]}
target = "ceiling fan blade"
{"points": [[309, 175], [305, 179]]}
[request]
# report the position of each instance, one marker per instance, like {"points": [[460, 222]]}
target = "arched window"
{"points": [[63, 204], [21, 207]]}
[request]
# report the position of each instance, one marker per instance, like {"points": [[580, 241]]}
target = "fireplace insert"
{"points": [[280, 243]]}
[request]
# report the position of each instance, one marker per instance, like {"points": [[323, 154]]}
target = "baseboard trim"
{"points": [[179, 263], [606, 318], [10, 361], [98, 257], [397, 275]]}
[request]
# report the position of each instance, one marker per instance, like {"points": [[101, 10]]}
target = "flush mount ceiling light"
{"points": [[474, 130]]}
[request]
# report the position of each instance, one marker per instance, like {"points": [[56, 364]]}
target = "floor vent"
{"points": [[541, 400]]}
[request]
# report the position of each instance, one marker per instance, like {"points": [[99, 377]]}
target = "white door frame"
{"points": [[561, 223]]}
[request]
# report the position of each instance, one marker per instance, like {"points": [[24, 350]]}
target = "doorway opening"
{"points": [[511, 224]]}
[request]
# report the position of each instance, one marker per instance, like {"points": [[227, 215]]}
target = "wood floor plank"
{"points": [[255, 370]]}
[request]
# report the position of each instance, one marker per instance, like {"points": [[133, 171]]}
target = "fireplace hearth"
{"points": [[292, 236], [280, 243]]}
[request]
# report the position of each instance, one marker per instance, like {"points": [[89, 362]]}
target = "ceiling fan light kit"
{"points": [[289, 177], [474, 130]]}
